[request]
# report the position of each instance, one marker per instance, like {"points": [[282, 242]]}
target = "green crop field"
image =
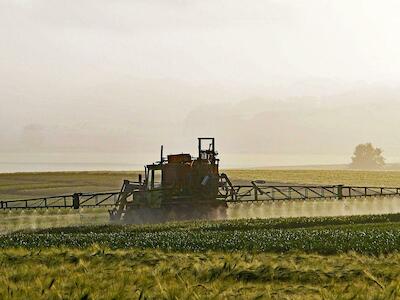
{"points": [[326, 235], [76, 255], [313, 258]]}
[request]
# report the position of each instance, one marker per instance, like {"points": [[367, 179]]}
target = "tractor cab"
{"points": [[181, 175]]}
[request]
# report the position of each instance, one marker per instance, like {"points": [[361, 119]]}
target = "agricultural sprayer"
{"points": [[182, 187]]}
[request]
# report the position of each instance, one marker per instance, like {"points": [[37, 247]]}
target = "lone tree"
{"points": [[366, 156]]}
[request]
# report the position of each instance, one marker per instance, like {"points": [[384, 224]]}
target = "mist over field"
{"points": [[276, 82], [302, 98]]}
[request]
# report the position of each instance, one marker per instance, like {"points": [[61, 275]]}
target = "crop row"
{"points": [[368, 239]]}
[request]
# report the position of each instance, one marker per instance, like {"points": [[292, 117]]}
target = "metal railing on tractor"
{"points": [[229, 193], [76, 200], [262, 193]]}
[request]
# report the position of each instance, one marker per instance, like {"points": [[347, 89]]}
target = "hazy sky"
{"points": [[264, 77]]}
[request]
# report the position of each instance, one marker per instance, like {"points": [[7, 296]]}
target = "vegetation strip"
{"points": [[365, 234]]}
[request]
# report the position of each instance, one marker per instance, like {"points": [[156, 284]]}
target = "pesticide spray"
{"points": [[315, 208]]}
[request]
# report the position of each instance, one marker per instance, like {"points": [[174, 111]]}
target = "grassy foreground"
{"points": [[312, 258], [101, 273]]}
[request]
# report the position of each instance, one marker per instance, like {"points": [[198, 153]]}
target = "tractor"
{"points": [[180, 187]]}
